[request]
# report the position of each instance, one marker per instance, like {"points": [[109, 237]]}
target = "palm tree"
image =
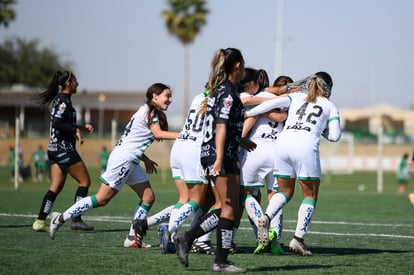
{"points": [[7, 13], [184, 20]]}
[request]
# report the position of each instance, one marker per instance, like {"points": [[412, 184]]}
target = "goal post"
{"points": [[16, 154]]}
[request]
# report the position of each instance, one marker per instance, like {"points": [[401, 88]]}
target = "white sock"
{"points": [[171, 226], [183, 213], [140, 213], [277, 224], [253, 209], [161, 216], [276, 203], [305, 214], [78, 208]]}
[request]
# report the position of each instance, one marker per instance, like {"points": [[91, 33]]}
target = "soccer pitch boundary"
{"points": [[121, 219]]}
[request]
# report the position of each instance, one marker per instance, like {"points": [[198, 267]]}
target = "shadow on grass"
{"points": [[15, 225], [289, 268], [351, 251], [334, 251], [95, 231]]}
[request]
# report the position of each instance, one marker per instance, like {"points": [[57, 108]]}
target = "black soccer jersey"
{"points": [[62, 124], [225, 107]]}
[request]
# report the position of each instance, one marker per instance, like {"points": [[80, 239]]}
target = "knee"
{"points": [[148, 198], [85, 183]]}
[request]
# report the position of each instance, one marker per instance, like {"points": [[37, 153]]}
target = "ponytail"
{"points": [[59, 81]]}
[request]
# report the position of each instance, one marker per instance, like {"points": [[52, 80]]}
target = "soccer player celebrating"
{"points": [[149, 123]]}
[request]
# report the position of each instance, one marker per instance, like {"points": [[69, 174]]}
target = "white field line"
{"points": [[128, 220]]}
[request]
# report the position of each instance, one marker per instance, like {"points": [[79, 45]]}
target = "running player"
{"points": [[149, 123]]}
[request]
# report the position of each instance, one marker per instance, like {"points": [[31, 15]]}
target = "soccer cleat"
{"points": [[182, 248], [234, 249], [275, 246], [79, 224], [40, 226], [203, 247], [130, 242], [260, 249], [299, 247], [140, 229], [166, 245], [54, 224], [230, 268], [263, 230]]}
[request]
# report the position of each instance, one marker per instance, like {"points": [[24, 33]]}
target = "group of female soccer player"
{"points": [[229, 141]]}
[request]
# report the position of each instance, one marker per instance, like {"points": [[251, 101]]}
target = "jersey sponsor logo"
{"points": [[299, 126], [61, 108], [205, 151], [227, 103]]}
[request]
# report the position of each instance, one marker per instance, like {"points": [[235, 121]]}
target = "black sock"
{"points": [[81, 193], [207, 224], [225, 231], [47, 205]]}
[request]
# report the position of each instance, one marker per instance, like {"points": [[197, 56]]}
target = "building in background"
{"points": [[99, 108]]}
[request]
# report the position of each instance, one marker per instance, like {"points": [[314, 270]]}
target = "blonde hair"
{"points": [[222, 65], [320, 85]]}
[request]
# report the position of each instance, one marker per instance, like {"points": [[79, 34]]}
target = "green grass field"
{"points": [[353, 232]]}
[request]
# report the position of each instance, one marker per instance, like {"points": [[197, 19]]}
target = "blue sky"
{"points": [[366, 45]]}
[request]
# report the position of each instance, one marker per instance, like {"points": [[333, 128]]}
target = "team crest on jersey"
{"points": [[61, 108], [227, 103]]}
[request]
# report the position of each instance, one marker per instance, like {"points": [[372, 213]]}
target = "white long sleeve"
{"points": [[333, 132], [277, 102]]}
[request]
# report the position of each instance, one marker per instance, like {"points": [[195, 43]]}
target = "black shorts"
{"points": [[230, 166], [64, 159]]}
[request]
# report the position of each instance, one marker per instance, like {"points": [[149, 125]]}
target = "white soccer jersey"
{"points": [[185, 152], [194, 124], [257, 165], [264, 127], [124, 160], [298, 145], [137, 136]]}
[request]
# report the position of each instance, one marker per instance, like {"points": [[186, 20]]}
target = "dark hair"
{"points": [[326, 77], [59, 81], [250, 74], [262, 79], [282, 80], [157, 89]]}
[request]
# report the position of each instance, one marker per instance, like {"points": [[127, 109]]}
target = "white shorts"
{"points": [[185, 162], [122, 170], [256, 166], [299, 162]]}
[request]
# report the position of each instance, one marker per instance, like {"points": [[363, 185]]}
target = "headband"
{"points": [[303, 85]]}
